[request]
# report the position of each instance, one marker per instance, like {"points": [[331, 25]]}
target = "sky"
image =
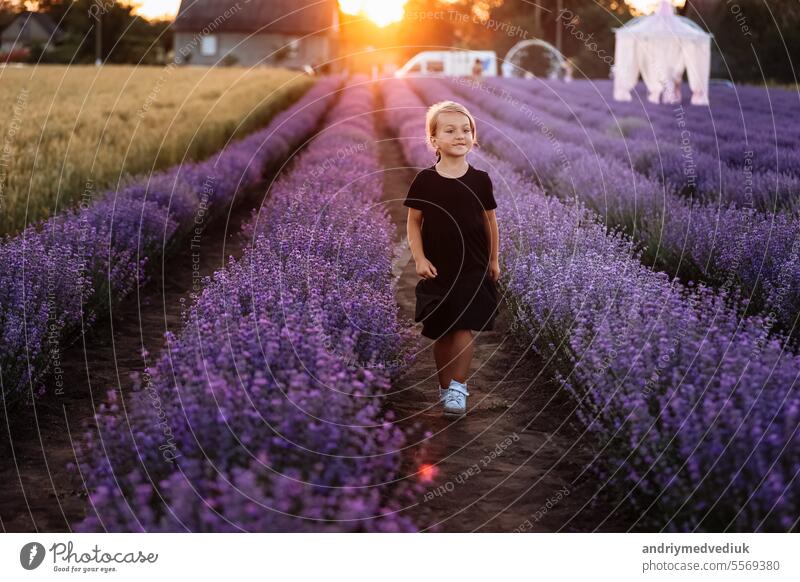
{"points": [[382, 12]]}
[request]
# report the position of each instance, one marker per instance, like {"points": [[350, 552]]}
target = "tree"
{"points": [[586, 29], [8, 11], [428, 25], [756, 41], [126, 38]]}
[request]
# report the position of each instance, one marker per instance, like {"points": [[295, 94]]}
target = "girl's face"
{"points": [[453, 134]]}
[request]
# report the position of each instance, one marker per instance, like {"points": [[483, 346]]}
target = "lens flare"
{"points": [[155, 9], [427, 472], [650, 6], [381, 12]]}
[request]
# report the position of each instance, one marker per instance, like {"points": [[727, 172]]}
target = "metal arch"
{"points": [[523, 44]]}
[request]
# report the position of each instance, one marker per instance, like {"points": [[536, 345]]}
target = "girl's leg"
{"points": [[453, 355], [462, 349], [443, 359]]}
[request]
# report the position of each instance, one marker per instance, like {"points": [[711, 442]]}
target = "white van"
{"points": [[455, 63]]}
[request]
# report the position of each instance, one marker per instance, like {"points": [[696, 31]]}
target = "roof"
{"points": [[40, 18], [276, 16]]}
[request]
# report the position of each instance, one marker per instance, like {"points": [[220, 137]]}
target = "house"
{"points": [[27, 30], [287, 33]]}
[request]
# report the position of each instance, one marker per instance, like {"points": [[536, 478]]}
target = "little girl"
{"points": [[452, 232]]}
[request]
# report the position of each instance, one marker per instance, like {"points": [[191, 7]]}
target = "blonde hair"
{"points": [[432, 121]]}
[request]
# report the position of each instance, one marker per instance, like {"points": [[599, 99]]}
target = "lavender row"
{"points": [[753, 256], [729, 153], [682, 160], [265, 414], [744, 115], [695, 410], [57, 277], [739, 118]]}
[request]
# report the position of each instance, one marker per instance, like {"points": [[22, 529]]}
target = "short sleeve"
{"points": [[487, 194], [416, 196]]}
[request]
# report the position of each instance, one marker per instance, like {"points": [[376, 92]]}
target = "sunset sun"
{"points": [[154, 9], [648, 6], [381, 12]]}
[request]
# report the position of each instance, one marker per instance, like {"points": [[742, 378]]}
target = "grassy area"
{"points": [[62, 127]]}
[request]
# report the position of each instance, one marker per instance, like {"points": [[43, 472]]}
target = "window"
{"points": [[415, 68], [208, 45], [435, 66]]}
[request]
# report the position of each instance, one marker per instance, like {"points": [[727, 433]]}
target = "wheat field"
{"points": [[63, 127]]}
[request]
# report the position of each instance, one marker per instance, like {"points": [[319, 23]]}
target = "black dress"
{"points": [[454, 239]]}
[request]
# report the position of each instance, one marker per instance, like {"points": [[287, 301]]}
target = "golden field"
{"points": [[62, 126]]}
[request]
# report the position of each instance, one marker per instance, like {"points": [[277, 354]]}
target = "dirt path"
{"points": [[512, 463], [39, 494]]}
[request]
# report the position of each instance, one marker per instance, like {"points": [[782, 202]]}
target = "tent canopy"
{"points": [[660, 47]]}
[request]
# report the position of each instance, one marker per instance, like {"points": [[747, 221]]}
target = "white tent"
{"points": [[661, 47]]}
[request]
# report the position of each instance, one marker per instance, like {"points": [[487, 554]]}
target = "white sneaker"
{"points": [[454, 398]]}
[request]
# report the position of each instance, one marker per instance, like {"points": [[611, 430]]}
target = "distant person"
{"points": [[477, 68], [676, 89], [568, 68], [671, 91]]}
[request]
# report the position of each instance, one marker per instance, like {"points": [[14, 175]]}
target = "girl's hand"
{"points": [[494, 271], [426, 270]]}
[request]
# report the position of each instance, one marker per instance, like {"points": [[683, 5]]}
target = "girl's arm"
{"points": [[414, 233], [493, 236]]}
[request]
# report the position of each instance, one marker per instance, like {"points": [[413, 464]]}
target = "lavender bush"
{"points": [[751, 254], [695, 411], [733, 151], [57, 276], [265, 414]]}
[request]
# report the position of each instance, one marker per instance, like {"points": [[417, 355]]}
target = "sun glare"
{"points": [[381, 12], [154, 9], [649, 6], [427, 472]]}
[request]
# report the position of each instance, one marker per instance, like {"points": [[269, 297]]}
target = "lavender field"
{"points": [[687, 397], [649, 271]]}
